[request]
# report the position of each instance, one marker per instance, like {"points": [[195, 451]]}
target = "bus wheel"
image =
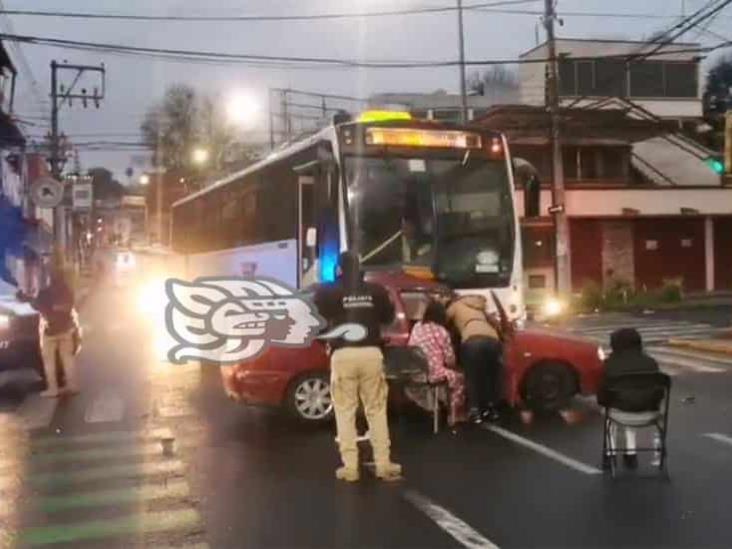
{"points": [[309, 399], [549, 387]]}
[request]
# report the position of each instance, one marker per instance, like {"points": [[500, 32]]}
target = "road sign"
{"points": [[46, 192], [82, 196]]}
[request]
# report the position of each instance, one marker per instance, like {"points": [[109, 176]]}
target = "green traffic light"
{"points": [[716, 165]]}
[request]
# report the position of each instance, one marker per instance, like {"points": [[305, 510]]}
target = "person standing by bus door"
{"points": [[357, 368]]}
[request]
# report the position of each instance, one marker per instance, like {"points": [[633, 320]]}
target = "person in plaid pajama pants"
{"points": [[432, 337]]}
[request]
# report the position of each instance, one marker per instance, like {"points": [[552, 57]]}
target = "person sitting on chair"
{"points": [[628, 402], [431, 335]]}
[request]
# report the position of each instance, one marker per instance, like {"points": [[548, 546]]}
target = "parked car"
{"points": [[543, 369], [19, 340]]}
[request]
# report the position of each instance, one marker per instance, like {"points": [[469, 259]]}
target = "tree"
{"points": [[169, 128], [185, 120], [718, 88], [498, 83], [104, 186]]}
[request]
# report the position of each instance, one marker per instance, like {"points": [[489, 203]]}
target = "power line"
{"points": [[207, 56], [260, 18]]}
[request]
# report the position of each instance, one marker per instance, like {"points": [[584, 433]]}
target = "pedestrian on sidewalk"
{"points": [[59, 329], [357, 368], [480, 355]]}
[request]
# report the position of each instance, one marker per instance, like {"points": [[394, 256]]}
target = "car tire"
{"points": [[549, 386], [308, 399]]}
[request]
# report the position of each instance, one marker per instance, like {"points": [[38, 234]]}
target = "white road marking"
{"points": [[36, 412], [106, 407], [697, 355], [546, 451], [61, 439], [668, 358], [461, 531], [719, 437]]}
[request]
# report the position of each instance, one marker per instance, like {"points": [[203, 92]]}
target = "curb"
{"points": [[709, 346]]}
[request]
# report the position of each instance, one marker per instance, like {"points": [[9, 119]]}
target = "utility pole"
{"points": [[561, 226], [461, 47], [271, 120], [59, 95]]}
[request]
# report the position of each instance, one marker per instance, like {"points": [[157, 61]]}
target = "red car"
{"points": [[543, 370]]}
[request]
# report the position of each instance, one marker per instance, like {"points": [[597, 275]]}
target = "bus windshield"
{"points": [[454, 215]]}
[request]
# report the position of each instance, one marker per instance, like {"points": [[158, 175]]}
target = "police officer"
{"points": [[357, 368]]}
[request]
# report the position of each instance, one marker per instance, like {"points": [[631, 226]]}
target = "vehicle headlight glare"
{"points": [[4, 322], [601, 354], [553, 307]]}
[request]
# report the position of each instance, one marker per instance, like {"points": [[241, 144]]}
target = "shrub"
{"points": [[591, 296], [671, 291], [619, 293]]}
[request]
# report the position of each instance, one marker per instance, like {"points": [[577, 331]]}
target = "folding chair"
{"points": [[652, 386], [408, 367]]}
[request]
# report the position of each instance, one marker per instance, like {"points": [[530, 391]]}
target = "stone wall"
{"points": [[617, 252]]}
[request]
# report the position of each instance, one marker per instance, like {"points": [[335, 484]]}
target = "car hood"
{"points": [[9, 304], [536, 334]]}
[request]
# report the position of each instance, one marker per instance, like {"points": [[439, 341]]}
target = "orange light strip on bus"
{"points": [[408, 137]]}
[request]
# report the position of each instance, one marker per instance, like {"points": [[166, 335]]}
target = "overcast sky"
{"points": [[134, 83]]}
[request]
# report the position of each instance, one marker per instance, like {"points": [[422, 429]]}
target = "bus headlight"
{"points": [[4, 322], [552, 307]]}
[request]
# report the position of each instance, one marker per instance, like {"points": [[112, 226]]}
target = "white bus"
{"points": [[431, 199]]}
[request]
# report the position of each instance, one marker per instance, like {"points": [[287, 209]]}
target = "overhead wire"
{"points": [[260, 18]]}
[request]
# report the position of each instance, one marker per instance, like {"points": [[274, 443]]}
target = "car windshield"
{"points": [[452, 214]]}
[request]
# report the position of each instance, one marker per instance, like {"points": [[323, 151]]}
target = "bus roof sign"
{"points": [[409, 137], [383, 116]]}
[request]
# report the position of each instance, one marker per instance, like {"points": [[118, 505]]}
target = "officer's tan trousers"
{"points": [[359, 372]]}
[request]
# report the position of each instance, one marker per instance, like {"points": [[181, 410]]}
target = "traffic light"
{"points": [[716, 163]]}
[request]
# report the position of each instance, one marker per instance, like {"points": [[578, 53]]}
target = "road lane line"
{"points": [[461, 531], [105, 408], [148, 492], [105, 437], [719, 437], [100, 529], [545, 451], [36, 412]]}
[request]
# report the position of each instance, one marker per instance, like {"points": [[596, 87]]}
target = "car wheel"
{"points": [[549, 386], [309, 399]]}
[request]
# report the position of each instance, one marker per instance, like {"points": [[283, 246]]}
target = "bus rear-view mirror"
{"points": [[527, 176]]}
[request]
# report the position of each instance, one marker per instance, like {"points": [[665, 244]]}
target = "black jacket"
{"points": [[355, 302], [629, 395]]}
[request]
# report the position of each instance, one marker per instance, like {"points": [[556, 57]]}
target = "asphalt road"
{"points": [[94, 474]]}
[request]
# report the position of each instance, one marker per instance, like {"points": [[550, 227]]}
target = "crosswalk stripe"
{"points": [[717, 360], [102, 529], [107, 472], [691, 364], [53, 504], [106, 407], [36, 412], [49, 458], [105, 437], [654, 330]]}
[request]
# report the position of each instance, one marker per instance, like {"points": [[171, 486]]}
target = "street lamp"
{"points": [[200, 156], [241, 108], [144, 179]]}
